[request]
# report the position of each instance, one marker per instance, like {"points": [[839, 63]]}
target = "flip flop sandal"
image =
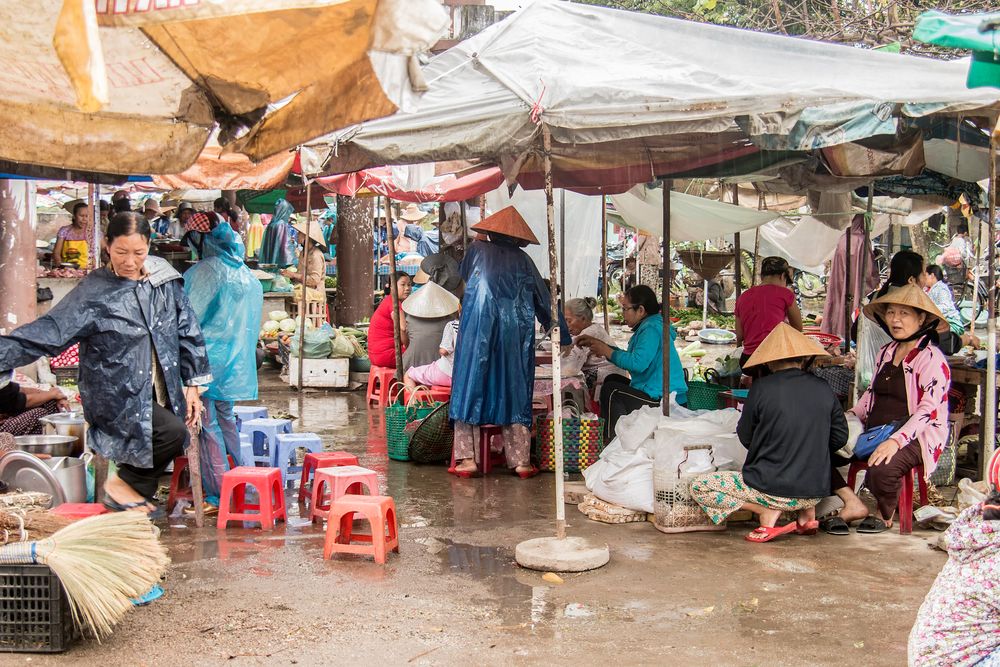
{"points": [[872, 525], [114, 506], [807, 528], [768, 533], [834, 525], [464, 474], [154, 593], [526, 474]]}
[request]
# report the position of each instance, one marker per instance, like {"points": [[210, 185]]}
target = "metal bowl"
{"points": [[53, 445]]}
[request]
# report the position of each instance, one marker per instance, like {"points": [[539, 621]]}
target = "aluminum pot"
{"points": [[71, 472], [70, 424], [53, 445]]}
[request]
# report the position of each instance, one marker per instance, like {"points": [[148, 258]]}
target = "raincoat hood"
{"points": [[277, 247], [224, 244]]}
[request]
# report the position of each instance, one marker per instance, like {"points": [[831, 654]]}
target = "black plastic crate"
{"points": [[34, 612]]}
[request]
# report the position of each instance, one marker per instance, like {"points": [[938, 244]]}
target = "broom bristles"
{"points": [[103, 562]]}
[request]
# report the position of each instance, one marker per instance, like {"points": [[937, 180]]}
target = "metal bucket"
{"points": [[71, 472], [70, 424]]}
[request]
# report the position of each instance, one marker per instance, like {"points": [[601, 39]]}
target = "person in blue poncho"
{"points": [[276, 247], [227, 300], [495, 354], [643, 360]]}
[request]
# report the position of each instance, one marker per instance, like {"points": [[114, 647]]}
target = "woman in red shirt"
{"points": [[381, 346], [761, 308]]}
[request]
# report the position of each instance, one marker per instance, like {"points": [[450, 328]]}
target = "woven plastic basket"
{"points": [[434, 438], [704, 395]]}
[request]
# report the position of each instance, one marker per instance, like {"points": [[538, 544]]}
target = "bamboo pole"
{"points": [[93, 242], [306, 247], [738, 269], [604, 260], [556, 333], [562, 241], [975, 278], [990, 409], [848, 291], [465, 229], [194, 467], [667, 272], [867, 239], [394, 291]]}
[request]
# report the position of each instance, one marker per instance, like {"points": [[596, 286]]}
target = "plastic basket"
{"points": [[704, 395], [34, 612], [674, 510]]}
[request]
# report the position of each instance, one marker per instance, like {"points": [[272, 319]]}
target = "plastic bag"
{"points": [[622, 477], [340, 346], [317, 345], [871, 339], [854, 430], [635, 428], [971, 493], [281, 284]]}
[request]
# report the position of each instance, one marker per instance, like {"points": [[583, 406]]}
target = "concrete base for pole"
{"points": [[550, 554]]}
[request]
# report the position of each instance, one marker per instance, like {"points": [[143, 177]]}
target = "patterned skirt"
{"points": [[721, 493]]}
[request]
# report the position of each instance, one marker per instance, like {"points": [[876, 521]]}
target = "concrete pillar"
{"points": [[355, 254], [17, 253]]}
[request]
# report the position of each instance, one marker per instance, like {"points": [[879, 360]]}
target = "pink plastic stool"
{"points": [[379, 381], [184, 493], [329, 484], [380, 511], [267, 481], [312, 461]]}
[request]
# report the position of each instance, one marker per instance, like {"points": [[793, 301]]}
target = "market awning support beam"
{"points": [[668, 276]]}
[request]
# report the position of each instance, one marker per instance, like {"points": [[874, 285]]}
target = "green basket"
{"points": [[397, 416], [704, 395]]}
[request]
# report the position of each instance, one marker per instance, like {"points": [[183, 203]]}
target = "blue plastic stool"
{"points": [[247, 457], [247, 412], [265, 437], [288, 444]]}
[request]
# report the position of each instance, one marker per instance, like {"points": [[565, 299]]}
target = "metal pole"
{"points": [[848, 291], [394, 291], [756, 242], [604, 260], [306, 247], [465, 229], [95, 224], [556, 334], [562, 240], [975, 278], [738, 269], [990, 409], [867, 241], [668, 277]]}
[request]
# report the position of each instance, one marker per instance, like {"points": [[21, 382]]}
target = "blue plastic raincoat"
{"points": [[227, 300], [277, 247], [118, 323], [495, 355]]}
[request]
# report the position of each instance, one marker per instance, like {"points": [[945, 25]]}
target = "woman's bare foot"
{"points": [[123, 494], [853, 510], [466, 465], [805, 516]]}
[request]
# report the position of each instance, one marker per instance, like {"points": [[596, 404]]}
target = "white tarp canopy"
{"points": [[136, 87], [628, 96]]}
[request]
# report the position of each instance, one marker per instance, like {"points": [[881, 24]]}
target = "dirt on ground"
{"points": [[454, 593]]}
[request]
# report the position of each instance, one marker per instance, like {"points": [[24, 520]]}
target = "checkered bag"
{"points": [[583, 441]]}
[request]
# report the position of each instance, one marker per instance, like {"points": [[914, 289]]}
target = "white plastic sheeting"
{"points": [[583, 234], [598, 77]]}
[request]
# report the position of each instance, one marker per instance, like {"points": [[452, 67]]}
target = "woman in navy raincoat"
{"points": [[495, 355], [227, 300], [277, 247], [142, 360]]}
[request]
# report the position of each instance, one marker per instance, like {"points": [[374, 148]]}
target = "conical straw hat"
{"points": [[911, 296], [315, 231], [509, 223], [785, 342], [431, 301]]}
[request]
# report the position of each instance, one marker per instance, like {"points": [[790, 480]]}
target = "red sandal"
{"points": [[807, 528], [768, 533], [464, 474], [527, 474]]}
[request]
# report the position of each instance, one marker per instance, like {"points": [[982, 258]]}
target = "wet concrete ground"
{"points": [[454, 594]]}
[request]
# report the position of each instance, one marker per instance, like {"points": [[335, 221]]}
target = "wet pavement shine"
{"points": [[454, 594]]}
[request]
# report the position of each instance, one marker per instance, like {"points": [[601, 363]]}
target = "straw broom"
{"points": [[102, 561]]}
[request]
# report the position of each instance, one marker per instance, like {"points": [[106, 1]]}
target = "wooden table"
{"points": [[972, 381]]}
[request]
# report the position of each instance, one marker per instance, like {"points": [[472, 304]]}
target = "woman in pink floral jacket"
{"points": [[909, 390]]}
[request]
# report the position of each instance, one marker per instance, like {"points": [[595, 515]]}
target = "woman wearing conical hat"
{"points": [[494, 369], [791, 424], [909, 392]]}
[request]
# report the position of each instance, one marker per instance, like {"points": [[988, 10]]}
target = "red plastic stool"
{"points": [[329, 484], [79, 510], [905, 493], [185, 493], [379, 381], [379, 511], [487, 456], [312, 461], [267, 481]]}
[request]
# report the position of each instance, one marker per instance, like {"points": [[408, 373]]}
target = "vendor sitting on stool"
{"points": [[791, 423], [643, 359], [21, 408]]}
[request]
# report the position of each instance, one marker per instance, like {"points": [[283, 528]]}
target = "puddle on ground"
{"points": [[519, 605]]}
